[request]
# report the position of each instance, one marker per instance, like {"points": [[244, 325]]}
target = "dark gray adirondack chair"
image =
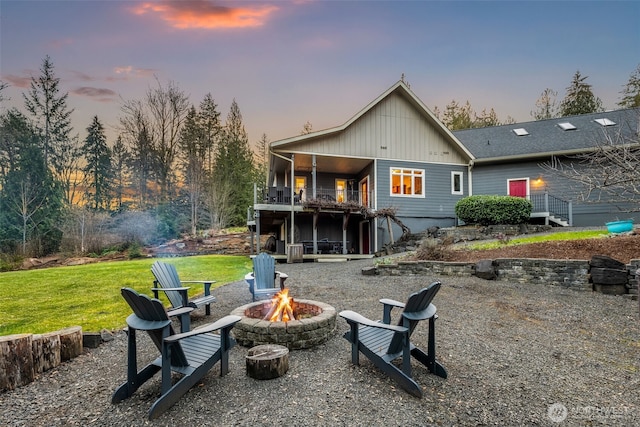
{"points": [[382, 342], [168, 281], [265, 280], [191, 354]]}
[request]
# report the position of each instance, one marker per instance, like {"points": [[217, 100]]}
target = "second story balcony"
{"points": [[282, 196]]}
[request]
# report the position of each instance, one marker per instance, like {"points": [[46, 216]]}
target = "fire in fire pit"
{"points": [[281, 308], [295, 324]]}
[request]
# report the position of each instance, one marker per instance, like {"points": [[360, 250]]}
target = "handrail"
{"points": [[545, 202]]}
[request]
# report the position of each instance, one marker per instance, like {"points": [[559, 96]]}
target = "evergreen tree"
{"points": [[262, 163], [119, 160], [579, 98], [97, 171], [193, 149], [234, 166], [631, 91], [209, 123], [30, 199], [141, 164], [14, 131], [50, 112]]}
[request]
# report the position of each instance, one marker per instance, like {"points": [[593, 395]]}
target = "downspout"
{"points": [[291, 181], [470, 173], [470, 177]]}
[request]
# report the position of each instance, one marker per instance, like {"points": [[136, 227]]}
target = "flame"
{"points": [[281, 307]]}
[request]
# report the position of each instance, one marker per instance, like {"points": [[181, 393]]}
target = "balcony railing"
{"points": [[282, 196]]}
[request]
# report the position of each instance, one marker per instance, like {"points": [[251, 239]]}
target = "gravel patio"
{"points": [[516, 354]]}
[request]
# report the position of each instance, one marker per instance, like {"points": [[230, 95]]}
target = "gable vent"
{"points": [[605, 122], [566, 126], [520, 131]]}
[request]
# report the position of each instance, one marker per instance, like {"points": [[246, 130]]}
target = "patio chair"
{"points": [[191, 354], [264, 280], [168, 281], [382, 343]]}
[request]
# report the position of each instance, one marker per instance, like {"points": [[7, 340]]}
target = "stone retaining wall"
{"points": [[573, 274]]}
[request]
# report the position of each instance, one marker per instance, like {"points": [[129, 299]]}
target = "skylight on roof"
{"points": [[520, 131], [605, 122], [566, 126]]}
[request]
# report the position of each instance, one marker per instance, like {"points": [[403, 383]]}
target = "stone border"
{"points": [[295, 334], [573, 274]]}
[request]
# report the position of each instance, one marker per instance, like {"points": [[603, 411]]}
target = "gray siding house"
{"points": [[324, 188], [508, 161]]}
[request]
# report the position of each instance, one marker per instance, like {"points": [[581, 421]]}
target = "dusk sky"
{"points": [[289, 62]]}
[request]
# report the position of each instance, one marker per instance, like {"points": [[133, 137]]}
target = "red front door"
{"points": [[518, 188]]}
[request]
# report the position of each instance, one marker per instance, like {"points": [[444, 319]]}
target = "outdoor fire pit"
{"points": [[295, 324]]}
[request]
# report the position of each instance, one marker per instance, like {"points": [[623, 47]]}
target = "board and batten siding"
{"points": [[392, 129]]}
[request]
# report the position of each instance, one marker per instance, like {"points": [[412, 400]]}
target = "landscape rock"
{"points": [[485, 269]]}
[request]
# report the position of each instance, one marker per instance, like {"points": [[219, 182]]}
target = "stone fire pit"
{"points": [[316, 324]]}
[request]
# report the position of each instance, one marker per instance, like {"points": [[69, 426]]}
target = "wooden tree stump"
{"points": [[46, 351], [70, 343], [16, 361], [267, 361]]}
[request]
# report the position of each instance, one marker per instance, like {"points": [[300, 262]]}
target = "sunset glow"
{"points": [[206, 15]]}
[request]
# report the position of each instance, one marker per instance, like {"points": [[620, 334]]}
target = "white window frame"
{"points": [[412, 173], [453, 180]]}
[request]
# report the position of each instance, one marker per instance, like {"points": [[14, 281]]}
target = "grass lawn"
{"points": [[559, 235], [46, 300]]}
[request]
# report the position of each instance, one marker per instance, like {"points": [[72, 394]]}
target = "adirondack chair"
{"points": [[265, 280], [382, 342], [168, 281], [191, 354]]}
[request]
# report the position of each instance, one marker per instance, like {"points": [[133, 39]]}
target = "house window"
{"points": [[364, 191], [341, 187], [456, 183], [301, 184], [407, 182]]}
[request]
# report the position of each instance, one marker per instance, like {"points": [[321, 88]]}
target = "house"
{"points": [[508, 160], [340, 190]]}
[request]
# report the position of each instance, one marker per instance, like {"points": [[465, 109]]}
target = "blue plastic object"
{"points": [[619, 226]]}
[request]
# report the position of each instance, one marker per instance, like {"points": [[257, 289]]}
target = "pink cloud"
{"points": [[206, 14], [17, 81]]}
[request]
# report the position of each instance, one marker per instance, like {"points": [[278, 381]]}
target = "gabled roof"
{"points": [[401, 88], [543, 138]]}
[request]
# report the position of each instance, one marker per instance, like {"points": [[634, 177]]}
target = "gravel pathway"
{"points": [[516, 354]]}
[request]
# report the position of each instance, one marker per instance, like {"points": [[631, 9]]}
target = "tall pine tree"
{"points": [[631, 91], [579, 98], [234, 166], [49, 110], [97, 171]]}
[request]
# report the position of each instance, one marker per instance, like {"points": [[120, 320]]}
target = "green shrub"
{"points": [[493, 210]]}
